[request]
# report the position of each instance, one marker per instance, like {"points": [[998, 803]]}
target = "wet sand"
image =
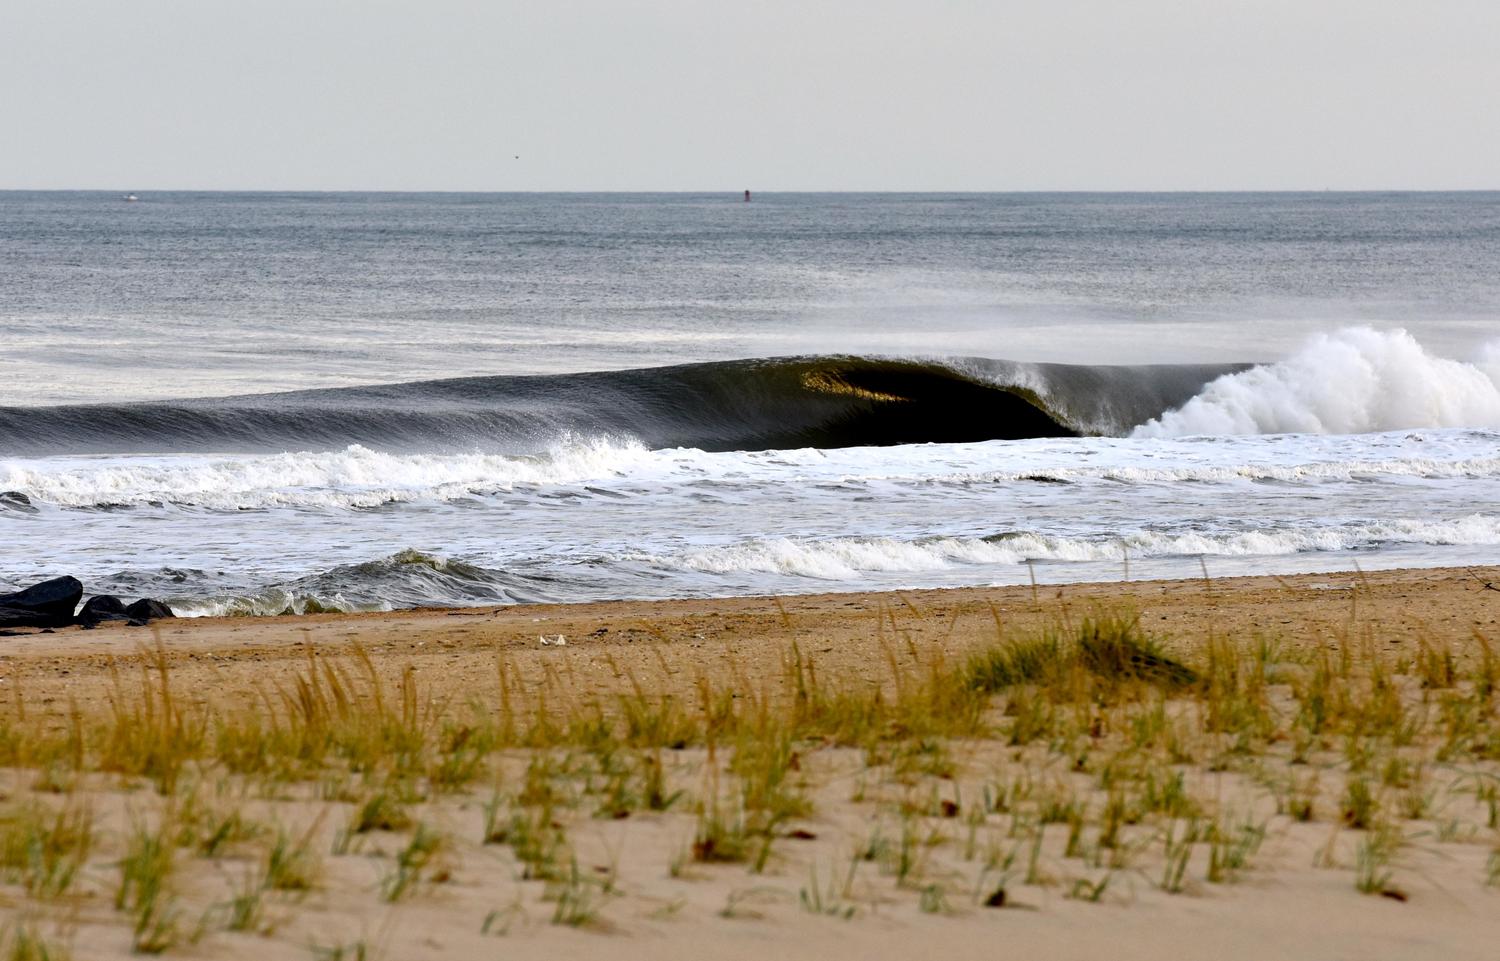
{"points": [[679, 639]]}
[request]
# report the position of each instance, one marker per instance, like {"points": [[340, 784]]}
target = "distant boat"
{"points": [[131, 197]]}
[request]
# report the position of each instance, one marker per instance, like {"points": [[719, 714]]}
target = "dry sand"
{"points": [[1296, 901]]}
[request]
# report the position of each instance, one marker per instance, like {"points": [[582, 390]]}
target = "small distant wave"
{"points": [[1355, 380], [406, 579], [1417, 468], [847, 559]]}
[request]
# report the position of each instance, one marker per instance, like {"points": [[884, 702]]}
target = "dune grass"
{"points": [[1088, 757]]}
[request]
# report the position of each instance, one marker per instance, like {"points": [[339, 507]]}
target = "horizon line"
{"points": [[737, 191]]}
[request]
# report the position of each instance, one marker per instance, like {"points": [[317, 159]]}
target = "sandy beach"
{"points": [[480, 794]]}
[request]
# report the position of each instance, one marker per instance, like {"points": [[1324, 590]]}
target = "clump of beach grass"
{"points": [[1112, 648], [145, 889], [24, 941], [44, 849]]}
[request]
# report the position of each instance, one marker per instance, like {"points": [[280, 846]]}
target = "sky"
{"points": [[770, 95]]}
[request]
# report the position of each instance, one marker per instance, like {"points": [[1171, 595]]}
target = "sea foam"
{"points": [[354, 477], [1351, 381]]}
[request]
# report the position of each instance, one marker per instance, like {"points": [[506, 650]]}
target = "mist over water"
{"points": [[588, 397]]}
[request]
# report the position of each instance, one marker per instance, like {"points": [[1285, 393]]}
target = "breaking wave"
{"points": [[1356, 380], [406, 579], [355, 477]]}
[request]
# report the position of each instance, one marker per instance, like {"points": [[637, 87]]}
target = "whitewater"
{"points": [[591, 517], [600, 409]]}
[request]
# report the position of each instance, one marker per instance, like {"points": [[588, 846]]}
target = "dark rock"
{"points": [[16, 501], [48, 604], [48, 595], [15, 617], [103, 607], [147, 609]]}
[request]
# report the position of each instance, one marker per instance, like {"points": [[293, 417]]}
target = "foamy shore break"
{"points": [[1290, 767]]}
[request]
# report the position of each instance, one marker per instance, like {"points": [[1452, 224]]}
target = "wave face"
{"points": [[1353, 381], [825, 402]]}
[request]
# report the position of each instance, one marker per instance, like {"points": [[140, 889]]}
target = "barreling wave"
{"points": [[824, 402], [1354, 380]]}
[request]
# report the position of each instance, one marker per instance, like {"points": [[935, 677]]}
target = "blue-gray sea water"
{"points": [[242, 402]]}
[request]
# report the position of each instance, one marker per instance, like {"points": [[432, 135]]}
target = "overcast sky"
{"points": [[771, 95]]}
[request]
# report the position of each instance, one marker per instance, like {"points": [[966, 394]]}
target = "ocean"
{"points": [[253, 403]]}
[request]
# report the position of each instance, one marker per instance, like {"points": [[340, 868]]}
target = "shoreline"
{"points": [[1410, 605]]}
